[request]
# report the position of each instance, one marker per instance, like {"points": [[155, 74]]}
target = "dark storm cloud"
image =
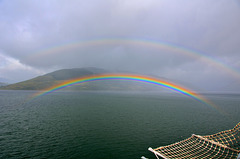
{"points": [[207, 26]]}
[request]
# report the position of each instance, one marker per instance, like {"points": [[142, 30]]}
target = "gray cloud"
{"points": [[208, 26]]}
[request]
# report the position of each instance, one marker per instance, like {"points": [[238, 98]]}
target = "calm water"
{"points": [[105, 125]]}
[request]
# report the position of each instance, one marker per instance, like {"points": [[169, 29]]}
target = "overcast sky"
{"points": [[40, 36]]}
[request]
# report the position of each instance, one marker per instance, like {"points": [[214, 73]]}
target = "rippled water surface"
{"points": [[105, 125]]}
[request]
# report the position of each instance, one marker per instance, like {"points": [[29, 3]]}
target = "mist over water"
{"points": [[105, 124]]}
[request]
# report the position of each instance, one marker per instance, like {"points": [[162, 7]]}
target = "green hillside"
{"points": [[50, 79], [56, 77]]}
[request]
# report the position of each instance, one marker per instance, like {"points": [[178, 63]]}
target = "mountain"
{"points": [[3, 84], [53, 78], [59, 76]]}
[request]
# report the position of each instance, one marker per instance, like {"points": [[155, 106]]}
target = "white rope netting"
{"points": [[225, 144]]}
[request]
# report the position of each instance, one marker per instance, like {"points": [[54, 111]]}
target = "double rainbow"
{"points": [[159, 45], [128, 77]]}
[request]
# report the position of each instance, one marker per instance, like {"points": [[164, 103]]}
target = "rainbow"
{"points": [[128, 77], [153, 44]]}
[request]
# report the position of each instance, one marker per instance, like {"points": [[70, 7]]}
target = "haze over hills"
{"points": [[3, 84], [4, 81], [59, 76], [53, 78]]}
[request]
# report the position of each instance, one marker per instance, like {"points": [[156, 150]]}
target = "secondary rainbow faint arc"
{"points": [[130, 77], [140, 42]]}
